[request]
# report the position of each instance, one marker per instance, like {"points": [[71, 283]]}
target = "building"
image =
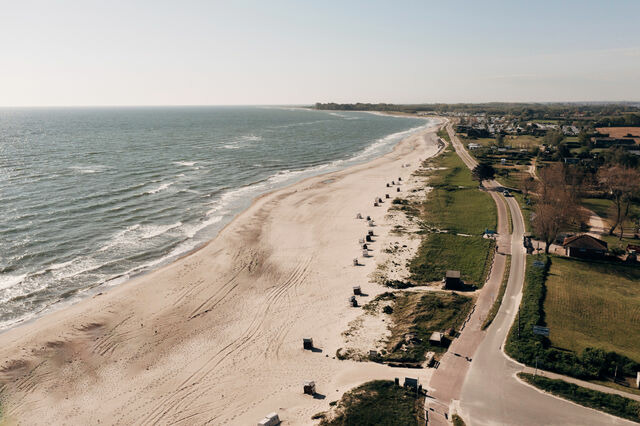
{"points": [[436, 338], [607, 142], [452, 279], [584, 246]]}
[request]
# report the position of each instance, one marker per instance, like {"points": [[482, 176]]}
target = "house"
{"points": [[606, 142], [452, 279], [584, 246]]}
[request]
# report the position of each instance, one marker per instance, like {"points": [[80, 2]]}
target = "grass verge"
{"points": [[609, 403], [503, 287], [379, 402]]}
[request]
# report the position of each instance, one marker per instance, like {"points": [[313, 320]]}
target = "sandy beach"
{"points": [[216, 337]]}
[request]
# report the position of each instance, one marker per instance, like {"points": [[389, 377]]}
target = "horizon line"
{"points": [[313, 103]]}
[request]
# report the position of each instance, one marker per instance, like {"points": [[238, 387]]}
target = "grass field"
{"points": [[455, 203], [599, 206], [422, 314], [438, 253], [590, 304], [379, 402], [609, 403]]}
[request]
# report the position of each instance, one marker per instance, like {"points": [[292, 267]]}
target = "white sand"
{"points": [[217, 336]]}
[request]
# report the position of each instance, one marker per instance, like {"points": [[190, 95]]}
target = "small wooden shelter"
{"points": [[307, 343], [356, 290], [270, 420], [309, 388], [452, 279], [436, 338]]}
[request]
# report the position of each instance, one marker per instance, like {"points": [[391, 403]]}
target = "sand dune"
{"points": [[216, 337]]}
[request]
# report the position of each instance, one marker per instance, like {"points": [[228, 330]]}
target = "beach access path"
{"points": [[216, 337]]}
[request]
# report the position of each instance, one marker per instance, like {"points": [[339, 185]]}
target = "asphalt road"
{"points": [[491, 393]]}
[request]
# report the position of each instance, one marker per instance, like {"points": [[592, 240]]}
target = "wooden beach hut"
{"points": [[270, 420], [436, 338], [307, 343], [452, 279], [309, 388], [357, 291]]}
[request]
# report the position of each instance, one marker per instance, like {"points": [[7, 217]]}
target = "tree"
{"points": [[482, 172], [622, 184], [553, 137], [557, 207], [527, 184]]}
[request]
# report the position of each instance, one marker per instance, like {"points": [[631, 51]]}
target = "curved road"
{"points": [[491, 393]]}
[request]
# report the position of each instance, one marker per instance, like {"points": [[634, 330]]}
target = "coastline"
{"points": [[183, 339], [231, 203]]}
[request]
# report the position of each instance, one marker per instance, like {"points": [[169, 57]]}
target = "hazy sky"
{"points": [[298, 52]]}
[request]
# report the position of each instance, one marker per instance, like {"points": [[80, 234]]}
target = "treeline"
{"points": [[618, 114], [532, 349]]}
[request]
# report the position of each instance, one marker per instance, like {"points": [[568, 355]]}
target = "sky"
{"points": [[188, 52]]}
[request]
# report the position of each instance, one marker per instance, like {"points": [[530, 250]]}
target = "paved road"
{"points": [[446, 382], [491, 394]]}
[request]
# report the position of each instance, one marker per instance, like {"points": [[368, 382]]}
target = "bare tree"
{"points": [[527, 184], [557, 205], [622, 184]]}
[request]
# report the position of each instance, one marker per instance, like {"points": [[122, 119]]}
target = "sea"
{"points": [[90, 197]]}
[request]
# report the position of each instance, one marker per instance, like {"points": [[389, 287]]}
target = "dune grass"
{"points": [[379, 402], [593, 304], [422, 314], [609, 403]]}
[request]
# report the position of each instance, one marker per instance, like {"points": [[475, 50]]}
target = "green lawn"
{"points": [[379, 402], [438, 253], [592, 304], [462, 211], [599, 206], [455, 203]]}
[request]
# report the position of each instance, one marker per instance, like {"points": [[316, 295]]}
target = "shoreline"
{"points": [[183, 325], [125, 277]]}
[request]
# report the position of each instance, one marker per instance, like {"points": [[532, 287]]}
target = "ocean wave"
{"points": [[185, 163], [8, 281], [151, 231], [88, 169], [159, 188]]}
